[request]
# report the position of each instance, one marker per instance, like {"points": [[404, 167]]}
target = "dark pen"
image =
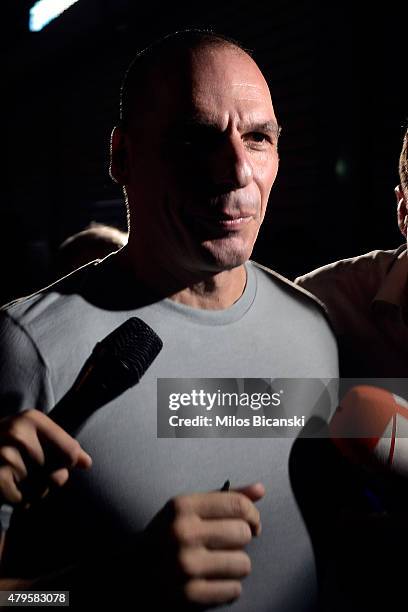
{"points": [[225, 486]]}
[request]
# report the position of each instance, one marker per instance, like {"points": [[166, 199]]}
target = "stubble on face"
{"points": [[212, 163]]}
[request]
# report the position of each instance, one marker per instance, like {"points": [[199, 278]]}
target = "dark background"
{"points": [[337, 73]]}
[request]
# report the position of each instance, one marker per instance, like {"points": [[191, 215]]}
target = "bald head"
{"points": [[167, 59], [196, 154]]}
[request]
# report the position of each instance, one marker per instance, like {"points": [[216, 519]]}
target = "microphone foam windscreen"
{"points": [[371, 425], [134, 344]]}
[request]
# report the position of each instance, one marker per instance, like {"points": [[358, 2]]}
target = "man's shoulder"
{"points": [[52, 332], [56, 303], [367, 267], [298, 317], [303, 298], [348, 286]]}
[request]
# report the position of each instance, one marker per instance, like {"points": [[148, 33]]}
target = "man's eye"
{"points": [[258, 137], [200, 139]]}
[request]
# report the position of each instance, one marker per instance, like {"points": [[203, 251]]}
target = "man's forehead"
{"points": [[249, 102], [209, 82], [225, 74], [230, 92], [208, 65], [231, 66], [214, 109]]}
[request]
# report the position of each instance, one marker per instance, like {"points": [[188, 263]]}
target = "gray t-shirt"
{"points": [[273, 331]]}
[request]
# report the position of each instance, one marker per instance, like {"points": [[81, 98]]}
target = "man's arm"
{"points": [[191, 553], [23, 458]]}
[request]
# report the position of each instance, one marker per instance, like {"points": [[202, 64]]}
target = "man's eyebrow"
{"points": [[270, 127], [197, 121]]}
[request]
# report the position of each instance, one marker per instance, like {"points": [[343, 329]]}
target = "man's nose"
{"points": [[231, 166]]}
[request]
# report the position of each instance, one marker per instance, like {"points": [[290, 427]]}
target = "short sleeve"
{"points": [[24, 379]]}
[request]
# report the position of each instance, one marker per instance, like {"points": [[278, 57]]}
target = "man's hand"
{"points": [[35, 453], [195, 545]]}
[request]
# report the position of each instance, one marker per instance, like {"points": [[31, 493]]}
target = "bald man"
{"points": [[196, 152]]}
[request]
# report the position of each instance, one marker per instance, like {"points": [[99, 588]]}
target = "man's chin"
{"points": [[223, 257]]}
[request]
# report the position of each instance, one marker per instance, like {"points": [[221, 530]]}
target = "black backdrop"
{"points": [[337, 73]]}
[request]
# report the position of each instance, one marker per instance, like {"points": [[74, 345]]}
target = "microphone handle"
{"points": [[76, 406], [86, 395]]}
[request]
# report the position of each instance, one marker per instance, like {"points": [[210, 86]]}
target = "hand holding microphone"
{"points": [[26, 440], [38, 450]]}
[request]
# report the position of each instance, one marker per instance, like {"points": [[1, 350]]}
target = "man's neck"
{"points": [[214, 293], [210, 291]]}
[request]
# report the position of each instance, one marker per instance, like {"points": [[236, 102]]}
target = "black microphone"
{"points": [[116, 363]]}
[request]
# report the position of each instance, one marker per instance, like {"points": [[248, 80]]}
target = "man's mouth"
{"points": [[225, 221]]}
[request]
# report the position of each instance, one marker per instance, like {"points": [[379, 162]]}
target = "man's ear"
{"points": [[401, 210], [118, 166]]}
